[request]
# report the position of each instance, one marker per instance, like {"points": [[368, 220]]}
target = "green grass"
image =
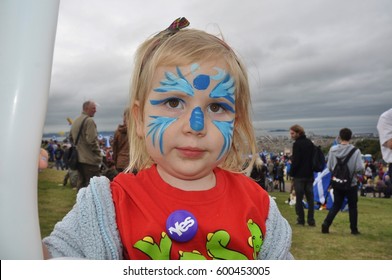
{"points": [[375, 224], [54, 201]]}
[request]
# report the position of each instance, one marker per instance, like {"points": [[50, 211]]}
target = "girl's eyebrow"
{"points": [[160, 101]]}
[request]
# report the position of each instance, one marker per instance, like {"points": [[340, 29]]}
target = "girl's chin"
{"points": [[187, 171]]}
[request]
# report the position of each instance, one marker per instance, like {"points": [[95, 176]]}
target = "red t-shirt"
{"points": [[230, 217]]}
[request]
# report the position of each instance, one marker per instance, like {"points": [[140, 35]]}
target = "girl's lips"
{"points": [[190, 152]]}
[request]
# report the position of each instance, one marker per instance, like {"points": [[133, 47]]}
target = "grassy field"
{"points": [[375, 224], [54, 200]]}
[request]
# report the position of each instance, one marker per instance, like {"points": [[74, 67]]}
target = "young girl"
{"points": [[190, 133]]}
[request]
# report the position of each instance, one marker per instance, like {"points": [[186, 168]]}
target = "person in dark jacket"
{"points": [[121, 145], [259, 172], [302, 172]]}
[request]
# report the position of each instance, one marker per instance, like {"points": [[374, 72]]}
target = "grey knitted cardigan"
{"points": [[89, 230]]}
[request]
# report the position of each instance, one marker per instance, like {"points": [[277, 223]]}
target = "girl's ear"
{"points": [[137, 116]]}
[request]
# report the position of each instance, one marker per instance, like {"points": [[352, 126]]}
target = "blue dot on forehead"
{"points": [[201, 82]]}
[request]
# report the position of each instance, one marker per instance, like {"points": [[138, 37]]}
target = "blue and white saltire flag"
{"points": [[320, 185], [107, 142], [335, 142], [330, 201]]}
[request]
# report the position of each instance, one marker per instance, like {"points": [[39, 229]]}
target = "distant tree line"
{"points": [[367, 146]]}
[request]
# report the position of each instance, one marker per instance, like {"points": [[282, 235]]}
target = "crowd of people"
{"points": [[375, 179], [271, 171], [96, 155], [366, 176]]}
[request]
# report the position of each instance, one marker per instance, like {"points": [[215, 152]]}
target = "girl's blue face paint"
{"points": [[158, 126], [201, 82], [226, 128], [178, 83], [220, 75], [197, 119], [225, 89], [175, 83]]}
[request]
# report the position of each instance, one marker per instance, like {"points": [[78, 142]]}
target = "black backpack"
{"points": [[341, 176], [318, 159]]}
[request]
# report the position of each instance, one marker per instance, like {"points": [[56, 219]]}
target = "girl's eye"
{"points": [[221, 107], [216, 108], [174, 103]]}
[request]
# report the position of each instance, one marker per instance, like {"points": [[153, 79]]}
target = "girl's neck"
{"points": [[344, 142]]}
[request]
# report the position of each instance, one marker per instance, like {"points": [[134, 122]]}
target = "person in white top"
{"points": [[384, 127]]}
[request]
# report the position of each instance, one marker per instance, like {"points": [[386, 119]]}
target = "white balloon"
{"points": [[27, 35]]}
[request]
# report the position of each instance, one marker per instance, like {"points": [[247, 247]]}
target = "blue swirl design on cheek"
{"points": [[226, 128], [197, 119], [158, 126], [175, 83]]}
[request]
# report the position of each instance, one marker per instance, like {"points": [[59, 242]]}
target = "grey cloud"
{"points": [[323, 64]]}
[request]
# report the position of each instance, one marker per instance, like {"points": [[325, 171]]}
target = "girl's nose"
{"points": [[196, 122], [197, 119]]}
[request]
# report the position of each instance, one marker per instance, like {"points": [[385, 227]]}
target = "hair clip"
{"points": [[178, 24]]}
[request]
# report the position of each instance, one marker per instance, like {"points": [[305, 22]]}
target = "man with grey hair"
{"points": [[89, 153]]}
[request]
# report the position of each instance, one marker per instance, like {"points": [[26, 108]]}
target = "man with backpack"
{"points": [[344, 162]]}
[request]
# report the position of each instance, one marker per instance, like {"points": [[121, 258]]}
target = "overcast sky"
{"points": [[324, 64]]}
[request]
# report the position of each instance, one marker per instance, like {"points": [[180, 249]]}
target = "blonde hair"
{"points": [[187, 46]]}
